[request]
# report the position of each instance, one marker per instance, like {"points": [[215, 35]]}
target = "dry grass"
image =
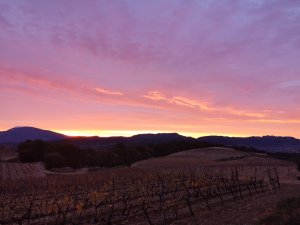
{"points": [[223, 159]]}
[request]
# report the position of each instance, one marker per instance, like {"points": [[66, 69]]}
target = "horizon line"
{"points": [[130, 133]]}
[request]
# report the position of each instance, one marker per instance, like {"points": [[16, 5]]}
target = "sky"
{"points": [[124, 67]]}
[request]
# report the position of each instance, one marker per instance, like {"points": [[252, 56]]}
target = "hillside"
{"points": [[265, 143], [21, 134], [212, 156]]}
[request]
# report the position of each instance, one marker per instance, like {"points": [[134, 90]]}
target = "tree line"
{"points": [[57, 155], [60, 154]]}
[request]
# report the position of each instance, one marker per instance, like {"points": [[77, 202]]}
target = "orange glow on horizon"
{"points": [[129, 133]]}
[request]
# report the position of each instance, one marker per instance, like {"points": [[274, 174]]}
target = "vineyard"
{"points": [[12, 171], [136, 197]]}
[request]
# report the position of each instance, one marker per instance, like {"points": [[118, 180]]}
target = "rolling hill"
{"points": [[265, 143]]}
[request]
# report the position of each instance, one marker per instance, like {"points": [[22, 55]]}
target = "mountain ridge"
{"points": [[268, 143]]}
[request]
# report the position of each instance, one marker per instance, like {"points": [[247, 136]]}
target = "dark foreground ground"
{"points": [[247, 211]]}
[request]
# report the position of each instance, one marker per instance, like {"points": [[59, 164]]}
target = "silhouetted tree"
{"points": [[32, 151]]}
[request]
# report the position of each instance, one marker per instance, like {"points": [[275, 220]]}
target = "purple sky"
{"points": [[124, 67]]}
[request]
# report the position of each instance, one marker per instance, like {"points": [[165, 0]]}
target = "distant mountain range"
{"points": [[266, 143]]}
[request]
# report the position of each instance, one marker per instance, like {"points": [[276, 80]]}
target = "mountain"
{"points": [[20, 134], [265, 143], [140, 139], [158, 138]]}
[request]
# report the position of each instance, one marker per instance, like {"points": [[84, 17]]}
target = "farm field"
{"points": [[217, 189], [139, 197], [214, 156], [224, 159]]}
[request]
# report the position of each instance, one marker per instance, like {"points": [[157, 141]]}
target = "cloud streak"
{"points": [[108, 92], [178, 100]]}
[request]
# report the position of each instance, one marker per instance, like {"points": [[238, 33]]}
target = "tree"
{"points": [[32, 151]]}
